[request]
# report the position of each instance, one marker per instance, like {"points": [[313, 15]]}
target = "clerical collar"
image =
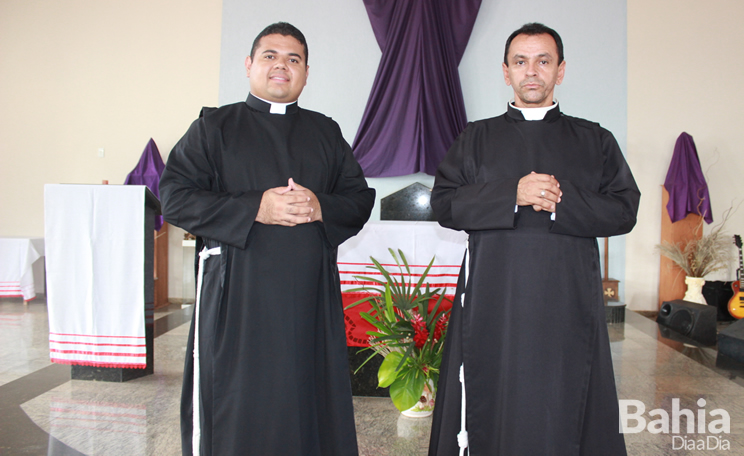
{"points": [[534, 113], [262, 105]]}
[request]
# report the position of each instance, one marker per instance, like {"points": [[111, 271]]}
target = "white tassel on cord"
{"points": [[196, 398], [462, 437]]}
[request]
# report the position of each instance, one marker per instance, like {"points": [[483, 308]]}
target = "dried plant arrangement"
{"points": [[700, 257]]}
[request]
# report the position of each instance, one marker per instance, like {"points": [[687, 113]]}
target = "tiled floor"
{"points": [[42, 412]]}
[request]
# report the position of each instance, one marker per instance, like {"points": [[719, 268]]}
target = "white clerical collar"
{"points": [[276, 108], [534, 113]]}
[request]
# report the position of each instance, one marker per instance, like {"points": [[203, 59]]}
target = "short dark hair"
{"points": [[531, 29], [280, 28]]}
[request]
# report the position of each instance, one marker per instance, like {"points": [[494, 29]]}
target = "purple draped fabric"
{"points": [[688, 191], [148, 172], [416, 109]]}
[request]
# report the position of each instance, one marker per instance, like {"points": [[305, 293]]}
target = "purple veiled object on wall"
{"points": [[148, 172], [416, 109], [688, 191]]}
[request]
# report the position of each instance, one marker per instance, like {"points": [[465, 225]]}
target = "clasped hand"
{"points": [[289, 206], [541, 191]]}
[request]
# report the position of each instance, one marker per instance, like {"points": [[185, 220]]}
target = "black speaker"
{"points": [[694, 321], [718, 294], [731, 341]]}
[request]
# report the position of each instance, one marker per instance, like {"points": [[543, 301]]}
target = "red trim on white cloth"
{"points": [[100, 336], [98, 364]]}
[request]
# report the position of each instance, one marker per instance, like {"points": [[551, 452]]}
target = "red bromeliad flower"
{"points": [[440, 327], [420, 338], [417, 322]]}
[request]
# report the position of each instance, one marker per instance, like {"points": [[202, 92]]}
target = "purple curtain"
{"points": [[148, 172], [415, 110], [688, 191]]}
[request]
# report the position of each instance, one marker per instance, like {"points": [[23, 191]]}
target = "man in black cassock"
{"points": [[533, 188], [270, 190]]}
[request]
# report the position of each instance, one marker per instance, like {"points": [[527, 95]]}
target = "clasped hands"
{"points": [[541, 191], [289, 206]]}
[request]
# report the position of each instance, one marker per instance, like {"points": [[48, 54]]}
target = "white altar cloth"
{"points": [[95, 274], [419, 242]]}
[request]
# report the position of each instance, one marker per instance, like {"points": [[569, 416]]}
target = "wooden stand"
{"points": [[161, 266], [610, 287], [672, 277]]}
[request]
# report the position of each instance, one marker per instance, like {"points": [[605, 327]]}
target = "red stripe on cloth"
{"points": [[395, 274], [364, 282], [90, 335], [95, 345], [411, 265], [79, 352], [73, 362]]}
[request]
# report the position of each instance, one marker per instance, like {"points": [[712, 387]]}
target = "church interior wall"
{"points": [[78, 77], [683, 73], [342, 70]]}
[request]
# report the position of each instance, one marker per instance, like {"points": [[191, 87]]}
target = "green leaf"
{"points": [[388, 373], [369, 299], [407, 389], [389, 312]]}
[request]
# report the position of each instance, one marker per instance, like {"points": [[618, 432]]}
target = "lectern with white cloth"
{"points": [[99, 246]]}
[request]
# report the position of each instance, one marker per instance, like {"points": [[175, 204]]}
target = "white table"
{"points": [[17, 258]]}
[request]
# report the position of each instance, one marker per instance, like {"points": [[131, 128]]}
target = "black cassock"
{"points": [[274, 376], [531, 334]]}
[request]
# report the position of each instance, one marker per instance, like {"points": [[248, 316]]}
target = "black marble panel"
{"points": [[614, 312], [410, 203], [718, 294], [364, 382]]}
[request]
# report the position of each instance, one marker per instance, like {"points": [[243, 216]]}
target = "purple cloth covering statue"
{"points": [[148, 172], [688, 191], [416, 109]]}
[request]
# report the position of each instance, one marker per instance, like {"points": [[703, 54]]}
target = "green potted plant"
{"points": [[410, 327]]}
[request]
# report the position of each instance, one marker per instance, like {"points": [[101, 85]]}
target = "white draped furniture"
{"points": [[99, 247], [17, 258]]}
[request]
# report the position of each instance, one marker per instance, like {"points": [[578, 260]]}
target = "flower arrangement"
{"points": [[410, 327]]}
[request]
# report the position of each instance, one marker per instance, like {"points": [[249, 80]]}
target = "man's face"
{"points": [[278, 71], [533, 70]]}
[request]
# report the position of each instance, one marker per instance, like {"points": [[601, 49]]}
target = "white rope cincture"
{"points": [[196, 398], [462, 437]]}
